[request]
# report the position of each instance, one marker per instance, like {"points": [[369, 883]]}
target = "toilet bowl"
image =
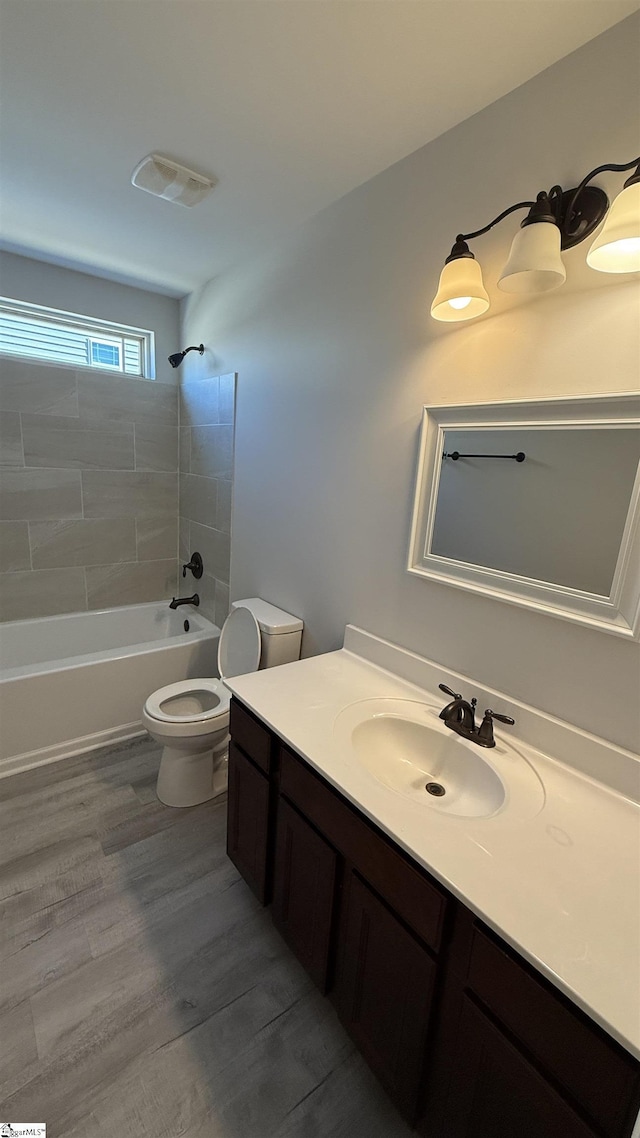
{"points": [[191, 718]]}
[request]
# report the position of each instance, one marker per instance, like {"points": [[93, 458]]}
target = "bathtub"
{"points": [[73, 682]]}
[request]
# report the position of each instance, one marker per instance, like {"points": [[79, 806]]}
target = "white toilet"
{"points": [[191, 718]]}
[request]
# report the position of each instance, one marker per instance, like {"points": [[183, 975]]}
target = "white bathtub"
{"points": [[69, 683]]}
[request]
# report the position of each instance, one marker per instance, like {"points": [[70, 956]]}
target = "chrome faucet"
{"points": [[194, 600], [459, 715]]}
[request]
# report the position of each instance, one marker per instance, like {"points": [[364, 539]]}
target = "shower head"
{"points": [[176, 359]]}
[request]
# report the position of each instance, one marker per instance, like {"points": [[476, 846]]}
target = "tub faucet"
{"points": [[459, 715], [194, 600]]}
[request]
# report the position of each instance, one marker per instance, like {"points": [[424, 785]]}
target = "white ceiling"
{"points": [[289, 103]]}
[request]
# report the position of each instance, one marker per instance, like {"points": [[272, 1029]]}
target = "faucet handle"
{"points": [[500, 718], [485, 731], [195, 565], [449, 691]]}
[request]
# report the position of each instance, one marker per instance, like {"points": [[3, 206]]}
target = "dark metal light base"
{"points": [[586, 215]]}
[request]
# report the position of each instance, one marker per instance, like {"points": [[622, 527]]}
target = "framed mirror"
{"points": [[535, 503]]}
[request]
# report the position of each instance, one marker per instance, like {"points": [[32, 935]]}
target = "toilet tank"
{"points": [[281, 633]]}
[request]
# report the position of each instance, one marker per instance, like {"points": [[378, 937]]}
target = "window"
{"points": [[78, 341]]}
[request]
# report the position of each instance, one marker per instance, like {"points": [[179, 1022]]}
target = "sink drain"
{"points": [[435, 788]]}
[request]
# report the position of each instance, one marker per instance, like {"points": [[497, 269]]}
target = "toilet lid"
{"points": [[239, 645]]}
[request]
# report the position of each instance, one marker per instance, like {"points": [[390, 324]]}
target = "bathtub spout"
{"points": [[194, 600]]}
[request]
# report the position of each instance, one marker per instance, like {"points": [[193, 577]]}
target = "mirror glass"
{"points": [[535, 503], [558, 515]]}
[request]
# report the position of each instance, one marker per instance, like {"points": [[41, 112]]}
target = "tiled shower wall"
{"points": [[88, 490], [206, 472]]}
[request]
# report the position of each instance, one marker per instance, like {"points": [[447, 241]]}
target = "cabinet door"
{"points": [[304, 890], [384, 993], [248, 822], [496, 1093]]}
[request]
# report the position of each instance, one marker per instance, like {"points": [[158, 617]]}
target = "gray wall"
{"points": [[38, 282], [88, 490], [206, 471], [336, 353]]}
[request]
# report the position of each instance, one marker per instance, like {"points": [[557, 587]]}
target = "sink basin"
{"points": [[405, 746]]}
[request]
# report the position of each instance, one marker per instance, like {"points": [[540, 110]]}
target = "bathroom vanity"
{"points": [[421, 923]]}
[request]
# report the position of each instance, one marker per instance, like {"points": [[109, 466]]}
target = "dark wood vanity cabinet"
{"points": [[385, 984], [468, 1039], [494, 1092], [305, 878], [251, 802]]}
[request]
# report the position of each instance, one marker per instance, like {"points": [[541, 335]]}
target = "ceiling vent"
{"points": [[166, 179]]}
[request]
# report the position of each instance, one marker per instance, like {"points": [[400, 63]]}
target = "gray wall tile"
{"points": [[222, 604], [213, 545], [156, 446], [198, 499], [199, 402], [212, 451], [184, 541], [40, 494], [85, 542], [121, 493], [14, 546], [77, 443], [227, 397], [97, 484], [223, 519], [41, 593], [206, 589], [38, 388], [11, 453], [131, 584], [157, 538], [221, 562], [118, 397], [185, 450]]}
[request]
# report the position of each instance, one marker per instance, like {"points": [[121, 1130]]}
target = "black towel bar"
{"points": [[455, 455]]}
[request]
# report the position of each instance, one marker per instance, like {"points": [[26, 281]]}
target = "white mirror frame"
{"points": [[619, 613]]}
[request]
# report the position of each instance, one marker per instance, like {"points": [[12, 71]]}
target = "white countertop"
{"points": [[563, 887]]}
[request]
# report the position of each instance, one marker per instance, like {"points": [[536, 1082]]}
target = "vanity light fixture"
{"points": [[176, 359], [556, 220]]}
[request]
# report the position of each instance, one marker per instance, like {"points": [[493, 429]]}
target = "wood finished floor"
{"points": [[144, 990]]}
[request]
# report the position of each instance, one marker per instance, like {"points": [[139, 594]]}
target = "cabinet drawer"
{"points": [[415, 899], [251, 735], [592, 1068]]}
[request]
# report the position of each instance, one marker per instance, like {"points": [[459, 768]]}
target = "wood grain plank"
{"points": [[164, 1001]]}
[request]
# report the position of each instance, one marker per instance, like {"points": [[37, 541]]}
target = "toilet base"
{"points": [[187, 778]]}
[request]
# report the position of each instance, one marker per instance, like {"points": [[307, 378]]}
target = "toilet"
{"points": [[191, 718]]}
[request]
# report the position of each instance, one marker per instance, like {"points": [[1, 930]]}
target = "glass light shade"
{"points": [[534, 264], [461, 294], [616, 249]]}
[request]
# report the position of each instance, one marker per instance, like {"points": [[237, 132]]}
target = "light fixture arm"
{"points": [[496, 221], [612, 167], [564, 203]]}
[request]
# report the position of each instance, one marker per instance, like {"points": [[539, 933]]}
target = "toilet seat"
{"points": [[238, 652], [216, 689]]}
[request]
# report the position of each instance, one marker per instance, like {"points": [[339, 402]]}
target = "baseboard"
{"points": [[15, 764]]}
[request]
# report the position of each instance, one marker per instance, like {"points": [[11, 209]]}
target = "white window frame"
{"points": [[94, 329]]}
